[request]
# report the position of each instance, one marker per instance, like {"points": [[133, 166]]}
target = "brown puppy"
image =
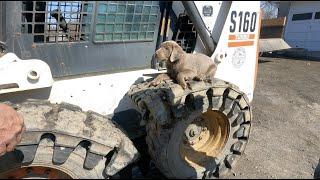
{"points": [[183, 66]]}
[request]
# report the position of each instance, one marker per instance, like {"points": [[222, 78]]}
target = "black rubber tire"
{"points": [[164, 134], [61, 136]]}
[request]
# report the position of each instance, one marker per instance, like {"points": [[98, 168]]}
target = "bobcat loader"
{"points": [[78, 72]]}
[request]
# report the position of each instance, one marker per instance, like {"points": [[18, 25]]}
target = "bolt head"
{"points": [[192, 133]]}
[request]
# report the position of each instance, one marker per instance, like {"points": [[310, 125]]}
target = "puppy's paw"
{"points": [[198, 78], [209, 81], [183, 85], [152, 83], [189, 86], [155, 82]]}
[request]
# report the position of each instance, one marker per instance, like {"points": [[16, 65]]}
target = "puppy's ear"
{"points": [[176, 52]]}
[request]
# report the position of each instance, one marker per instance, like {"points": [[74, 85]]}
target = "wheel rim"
{"points": [[204, 139], [39, 172]]}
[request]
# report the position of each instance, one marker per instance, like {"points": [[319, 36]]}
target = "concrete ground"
{"points": [[285, 139]]}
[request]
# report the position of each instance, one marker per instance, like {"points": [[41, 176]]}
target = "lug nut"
{"points": [[192, 133]]}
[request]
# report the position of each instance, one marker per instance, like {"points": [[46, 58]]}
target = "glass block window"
{"points": [[57, 21], [118, 21]]}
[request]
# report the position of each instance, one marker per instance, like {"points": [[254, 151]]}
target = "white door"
{"points": [[303, 26], [313, 42]]}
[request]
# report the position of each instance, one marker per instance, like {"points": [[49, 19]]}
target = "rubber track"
{"points": [[68, 126], [167, 103]]}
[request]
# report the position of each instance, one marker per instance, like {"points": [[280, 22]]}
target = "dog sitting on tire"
{"points": [[182, 66]]}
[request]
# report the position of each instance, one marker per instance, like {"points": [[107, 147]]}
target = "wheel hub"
{"points": [[38, 172], [195, 132], [204, 138]]}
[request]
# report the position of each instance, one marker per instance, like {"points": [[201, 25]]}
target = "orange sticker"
{"points": [[240, 43], [241, 36]]}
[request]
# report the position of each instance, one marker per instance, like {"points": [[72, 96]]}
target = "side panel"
{"points": [[111, 38], [236, 51], [104, 94]]}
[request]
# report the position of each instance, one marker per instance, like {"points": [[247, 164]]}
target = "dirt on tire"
{"points": [[62, 136], [168, 110]]}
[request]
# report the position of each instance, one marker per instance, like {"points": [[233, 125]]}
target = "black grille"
{"points": [[57, 21], [185, 34]]}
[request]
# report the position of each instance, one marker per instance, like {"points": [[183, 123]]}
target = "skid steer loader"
{"points": [[78, 72]]}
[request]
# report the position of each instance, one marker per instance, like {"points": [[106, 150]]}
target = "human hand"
{"points": [[11, 128]]}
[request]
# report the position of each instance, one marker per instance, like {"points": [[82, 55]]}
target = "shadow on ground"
{"points": [[296, 58], [317, 171], [260, 61]]}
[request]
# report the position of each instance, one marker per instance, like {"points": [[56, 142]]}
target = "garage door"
{"points": [[313, 34], [303, 26]]}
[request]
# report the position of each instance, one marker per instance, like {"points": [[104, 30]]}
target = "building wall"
{"points": [[284, 7], [303, 33], [2, 21]]}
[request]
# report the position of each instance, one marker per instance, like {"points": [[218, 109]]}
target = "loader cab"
{"points": [[101, 56], [84, 37]]}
